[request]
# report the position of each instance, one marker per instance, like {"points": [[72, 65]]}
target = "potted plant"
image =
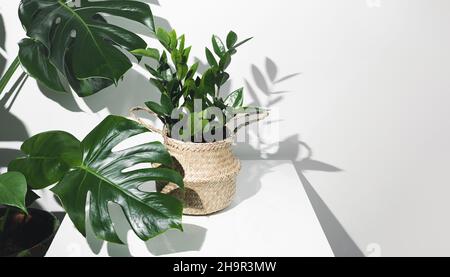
{"points": [[23, 232], [87, 173], [199, 122]]}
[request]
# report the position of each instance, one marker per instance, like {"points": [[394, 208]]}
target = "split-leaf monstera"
{"points": [[74, 43], [95, 175]]}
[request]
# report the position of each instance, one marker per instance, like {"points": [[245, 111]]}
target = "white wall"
{"points": [[372, 100]]}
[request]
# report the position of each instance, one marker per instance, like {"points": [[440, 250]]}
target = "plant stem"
{"points": [[4, 219], [9, 73]]}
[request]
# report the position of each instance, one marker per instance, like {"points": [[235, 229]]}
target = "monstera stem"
{"points": [[9, 73]]}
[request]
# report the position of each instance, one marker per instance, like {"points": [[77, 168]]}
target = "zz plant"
{"points": [[72, 42], [89, 172], [182, 87]]}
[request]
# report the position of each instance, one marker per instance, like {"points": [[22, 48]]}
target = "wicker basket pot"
{"points": [[209, 170]]}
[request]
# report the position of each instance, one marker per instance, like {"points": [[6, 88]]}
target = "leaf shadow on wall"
{"points": [[264, 93], [170, 242], [133, 91], [12, 128]]}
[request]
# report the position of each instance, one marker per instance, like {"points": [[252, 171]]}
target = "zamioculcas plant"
{"points": [[181, 86], [90, 174], [74, 43], [193, 109]]}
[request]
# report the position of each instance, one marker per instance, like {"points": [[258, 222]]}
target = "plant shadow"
{"points": [[133, 91], [248, 183], [172, 242], [264, 93], [16, 130], [64, 99], [12, 129], [175, 242]]}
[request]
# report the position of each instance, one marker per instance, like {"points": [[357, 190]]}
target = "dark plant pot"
{"points": [[28, 236]]}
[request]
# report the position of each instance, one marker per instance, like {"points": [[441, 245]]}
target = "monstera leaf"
{"points": [[49, 156], [104, 176], [77, 43]]}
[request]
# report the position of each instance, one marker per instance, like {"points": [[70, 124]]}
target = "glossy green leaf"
{"points": [[231, 39], [48, 157], [173, 40], [80, 44], [163, 61], [208, 81], [192, 71], [167, 75], [158, 84], [149, 53], [166, 103], [176, 56], [225, 61], [13, 188], [106, 177], [242, 43], [182, 71], [218, 46], [154, 72], [210, 58], [235, 99], [186, 53], [172, 86], [163, 37], [181, 42], [34, 58], [223, 78], [189, 86], [157, 108]]}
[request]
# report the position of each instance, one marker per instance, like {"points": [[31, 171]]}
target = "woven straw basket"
{"points": [[209, 172]]}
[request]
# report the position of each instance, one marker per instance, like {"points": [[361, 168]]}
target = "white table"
{"points": [[270, 217]]}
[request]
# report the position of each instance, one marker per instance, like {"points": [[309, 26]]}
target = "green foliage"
{"points": [[13, 189], [181, 85], [49, 156], [76, 44], [235, 99], [91, 167], [149, 52]]}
